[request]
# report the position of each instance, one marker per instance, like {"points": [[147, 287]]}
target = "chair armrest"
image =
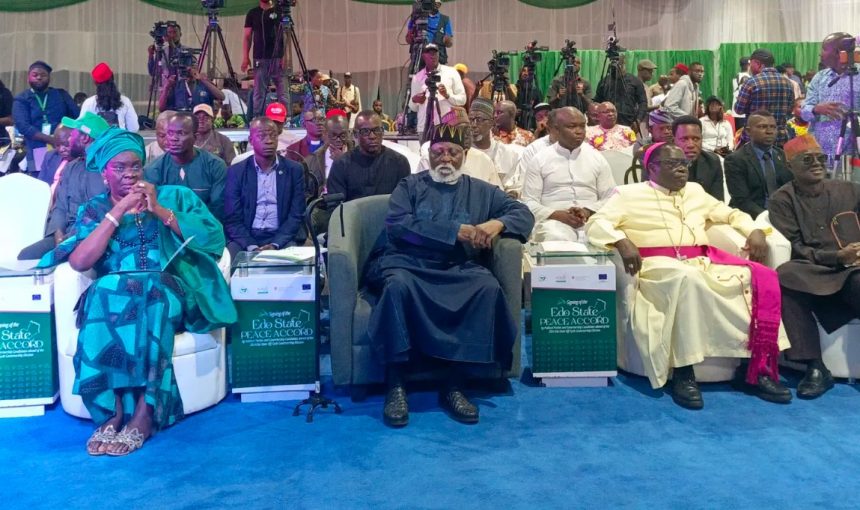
{"points": [[727, 239], [778, 247], [224, 264], [68, 287], [507, 266], [343, 268]]}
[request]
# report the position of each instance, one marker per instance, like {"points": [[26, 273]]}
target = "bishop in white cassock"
{"points": [[567, 182], [691, 301]]}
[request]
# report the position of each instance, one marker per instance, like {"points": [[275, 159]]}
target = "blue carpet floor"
{"points": [[622, 446]]}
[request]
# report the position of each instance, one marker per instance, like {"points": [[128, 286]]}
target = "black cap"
{"points": [[42, 64]]}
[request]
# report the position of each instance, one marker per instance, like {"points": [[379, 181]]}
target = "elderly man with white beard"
{"points": [[435, 299]]}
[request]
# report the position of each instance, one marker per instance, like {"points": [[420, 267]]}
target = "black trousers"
{"points": [[798, 309]]}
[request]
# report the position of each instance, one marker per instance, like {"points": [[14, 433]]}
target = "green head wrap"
{"points": [[114, 141]]}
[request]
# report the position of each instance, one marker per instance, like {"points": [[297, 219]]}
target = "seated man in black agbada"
{"points": [[435, 300]]}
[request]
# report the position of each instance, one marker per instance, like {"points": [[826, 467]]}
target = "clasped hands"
{"points": [[480, 236], [849, 255], [574, 216], [141, 198]]}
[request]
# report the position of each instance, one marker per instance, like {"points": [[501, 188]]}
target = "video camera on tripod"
{"points": [[498, 67], [183, 59], [531, 56], [159, 31], [613, 49], [421, 12]]}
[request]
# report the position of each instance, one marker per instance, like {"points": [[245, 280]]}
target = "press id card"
{"points": [[46, 128]]}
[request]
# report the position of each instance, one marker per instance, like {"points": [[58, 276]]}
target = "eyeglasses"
{"points": [[810, 159], [675, 163], [368, 131], [127, 170], [478, 120], [339, 136]]}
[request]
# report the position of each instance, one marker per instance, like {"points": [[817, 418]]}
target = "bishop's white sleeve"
{"points": [[603, 227]]}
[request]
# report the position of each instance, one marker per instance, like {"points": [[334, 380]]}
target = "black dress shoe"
{"points": [[766, 389], [396, 410], [686, 393], [458, 406], [815, 383]]}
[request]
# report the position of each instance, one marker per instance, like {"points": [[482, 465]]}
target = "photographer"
{"points": [[449, 88], [261, 29], [625, 91], [164, 32], [187, 89], [438, 31]]}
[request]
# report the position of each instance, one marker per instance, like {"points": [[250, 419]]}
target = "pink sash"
{"points": [[766, 305]]}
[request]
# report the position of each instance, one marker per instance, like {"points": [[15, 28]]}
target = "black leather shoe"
{"points": [[686, 393], [395, 413], [766, 389], [458, 406], [815, 383]]}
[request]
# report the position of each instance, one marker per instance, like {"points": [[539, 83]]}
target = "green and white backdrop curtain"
{"points": [[366, 36]]}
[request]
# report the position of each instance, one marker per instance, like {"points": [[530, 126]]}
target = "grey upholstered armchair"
{"points": [[363, 221]]}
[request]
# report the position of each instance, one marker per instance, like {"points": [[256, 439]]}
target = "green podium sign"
{"points": [[573, 333], [28, 357], [274, 345]]}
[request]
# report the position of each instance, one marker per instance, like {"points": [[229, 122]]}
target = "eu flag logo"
{"points": [[602, 276]]}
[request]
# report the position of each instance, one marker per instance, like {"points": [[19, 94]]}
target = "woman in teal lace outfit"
{"points": [[131, 312]]}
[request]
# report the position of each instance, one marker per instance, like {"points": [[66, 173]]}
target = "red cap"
{"points": [[334, 113], [102, 73], [683, 68], [277, 112]]}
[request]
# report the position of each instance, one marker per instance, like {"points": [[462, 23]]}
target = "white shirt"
{"points": [[476, 164], [716, 134], [153, 150], [529, 152], [557, 178], [456, 94], [125, 114], [681, 99], [236, 104], [505, 157]]}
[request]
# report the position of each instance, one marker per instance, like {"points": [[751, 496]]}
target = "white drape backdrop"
{"points": [[341, 35]]}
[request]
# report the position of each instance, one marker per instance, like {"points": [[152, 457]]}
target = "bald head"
{"points": [[832, 45], [570, 127], [607, 115], [505, 115]]}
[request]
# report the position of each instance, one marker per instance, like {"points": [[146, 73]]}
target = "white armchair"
{"points": [[712, 369], [199, 360]]}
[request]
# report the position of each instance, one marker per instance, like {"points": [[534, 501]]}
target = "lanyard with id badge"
{"points": [[43, 105]]}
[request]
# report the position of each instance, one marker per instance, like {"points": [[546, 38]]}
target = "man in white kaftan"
{"points": [[567, 182]]}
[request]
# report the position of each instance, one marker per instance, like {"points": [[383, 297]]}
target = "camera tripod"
{"points": [[526, 117], [213, 30], [287, 34], [155, 80], [416, 48], [570, 79], [843, 161], [433, 108]]}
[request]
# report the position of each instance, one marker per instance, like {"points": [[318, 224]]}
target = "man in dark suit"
{"points": [[264, 198], [758, 169], [705, 166]]}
